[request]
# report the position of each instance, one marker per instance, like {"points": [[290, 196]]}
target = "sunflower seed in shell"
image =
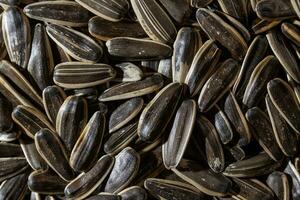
{"points": [[218, 84], [285, 136], [3, 51], [274, 9], [14, 188], [53, 152], [203, 179], [168, 189], [16, 34], [30, 120], [133, 193], [6, 122], [200, 3], [124, 170], [285, 101], [46, 182], [223, 127], [283, 51], [124, 113], [134, 49], [41, 63], [71, 120], [105, 30], [255, 54], [237, 118], [53, 98], [292, 32], [31, 154], [12, 166], [113, 10], [263, 132], [133, 89], [279, 183], [252, 189], [213, 147], [202, 67], [159, 111], [74, 75], [78, 45], [177, 141], [128, 72], [165, 67], [67, 13], [235, 8], [264, 25], [87, 182], [178, 10], [186, 45], [256, 88], [87, 147], [20, 81], [105, 196], [295, 179], [212, 24], [10, 150], [154, 20], [257, 165]]}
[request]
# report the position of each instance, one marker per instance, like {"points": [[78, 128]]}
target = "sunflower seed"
{"points": [[110, 10], [105, 30], [165, 67], [154, 20], [46, 182], [133, 193], [124, 113], [264, 25], [124, 170], [213, 25], [202, 67], [223, 127], [66, 13], [10, 167], [10, 150], [53, 98], [53, 152], [41, 63], [6, 122], [133, 89], [274, 9], [235, 8], [186, 45], [295, 179], [134, 49], [292, 32], [82, 75], [129, 72], [87, 147], [218, 84], [285, 101], [14, 188], [71, 120], [78, 45], [174, 147], [279, 183], [16, 34], [86, 183], [159, 111]]}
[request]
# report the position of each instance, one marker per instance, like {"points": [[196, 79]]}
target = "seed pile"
{"points": [[150, 99]]}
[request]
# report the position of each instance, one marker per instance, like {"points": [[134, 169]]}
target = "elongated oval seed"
{"points": [[67, 13], [74, 75], [159, 111], [292, 32], [284, 99], [274, 9], [16, 34], [30, 120], [223, 127], [14, 188], [235, 8], [53, 98], [174, 148], [154, 20], [78, 45], [53, 152], [41, 63], [280, 184], [133, 89], [113, 10], [12, 166], [218, 84], [213, 25], [134, 49], [10, 150], [87, 147], [71, 120], [124, 170], [86, 183]]}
